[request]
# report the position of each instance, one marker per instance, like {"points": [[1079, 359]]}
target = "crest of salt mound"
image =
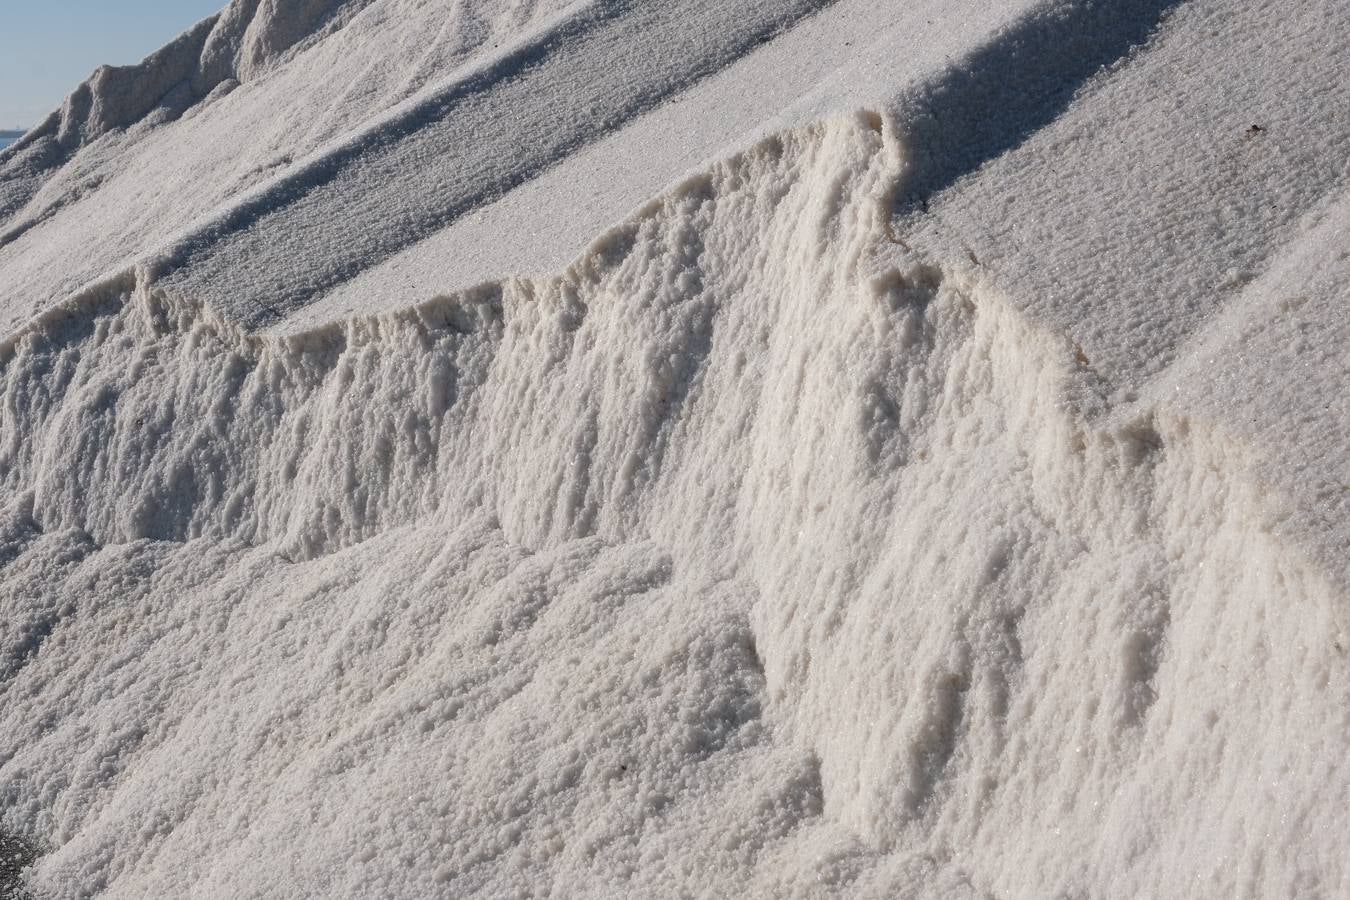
{"points": [[250, 35], [234, 45]]}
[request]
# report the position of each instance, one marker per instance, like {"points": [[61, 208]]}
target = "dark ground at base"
{"points": [[16, 854]]}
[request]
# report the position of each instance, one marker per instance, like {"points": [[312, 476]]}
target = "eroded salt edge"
{"points": [[954, 621]]}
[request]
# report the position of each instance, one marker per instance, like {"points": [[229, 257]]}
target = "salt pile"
{"points": [[705, 448]]}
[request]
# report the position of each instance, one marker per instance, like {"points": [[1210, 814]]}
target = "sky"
{"points": [[47, 47]]}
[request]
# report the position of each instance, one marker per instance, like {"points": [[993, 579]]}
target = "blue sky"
{"points": [[49, 46]]}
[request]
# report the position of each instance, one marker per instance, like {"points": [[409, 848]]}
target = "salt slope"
{"points": [[1173, 209], [85, 191], [837, 617], [1193, 188], [439, 135], [739, 557], [251, 199], [1280, 355]]}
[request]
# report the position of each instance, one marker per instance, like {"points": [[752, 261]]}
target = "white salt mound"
{"points": [[700, 448]]}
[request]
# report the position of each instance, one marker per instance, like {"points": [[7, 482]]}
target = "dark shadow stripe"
{"points": [[992, 100], [465, 148]]}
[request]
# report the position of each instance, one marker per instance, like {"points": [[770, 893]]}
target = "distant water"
{"points": [[7, 138]]}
